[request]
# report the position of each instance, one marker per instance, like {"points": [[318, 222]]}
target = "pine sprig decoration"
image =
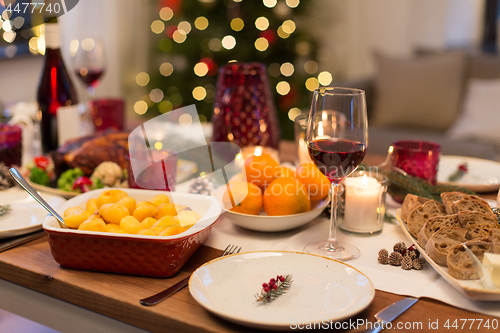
{"points": [[4, 210], [274, 288]]}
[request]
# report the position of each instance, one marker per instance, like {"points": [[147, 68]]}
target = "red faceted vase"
{"points": [[244, 111]]}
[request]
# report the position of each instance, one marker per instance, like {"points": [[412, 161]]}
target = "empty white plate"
{"points": [[323, 289], [26, 215]]}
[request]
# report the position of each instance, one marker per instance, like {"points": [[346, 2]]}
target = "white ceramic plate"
{"points": [[472, 289], [185, 170], [264, 222], [323, 289], [26, 214], [482, 176]]}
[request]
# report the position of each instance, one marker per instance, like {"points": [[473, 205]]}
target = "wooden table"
{"points": [[117, 296]]}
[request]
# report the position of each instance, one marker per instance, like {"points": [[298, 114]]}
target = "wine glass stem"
{"points": [[332, 235]]}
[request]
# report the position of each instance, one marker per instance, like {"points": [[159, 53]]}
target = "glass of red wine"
{"points": [[337, 138], [89, 63]]}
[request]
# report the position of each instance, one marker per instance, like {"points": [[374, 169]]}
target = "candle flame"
{"points": [[258, 151], [364, 181], [320, 128]]}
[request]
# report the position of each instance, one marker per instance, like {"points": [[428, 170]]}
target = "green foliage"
{"points": [[67, 178], [39, 176], [200, 45]]}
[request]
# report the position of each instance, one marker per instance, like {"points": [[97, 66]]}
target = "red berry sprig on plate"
{"points": [[274, 288]]}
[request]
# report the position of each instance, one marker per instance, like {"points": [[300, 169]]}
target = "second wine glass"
{"points": [[337, 138], [89, 63]]}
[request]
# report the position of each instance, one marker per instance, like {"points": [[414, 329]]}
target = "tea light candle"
{"points": [[246, 152], [362, 196]]}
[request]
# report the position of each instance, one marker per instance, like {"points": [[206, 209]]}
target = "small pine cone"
{"points": [[383, 257], [399, 247], [411, 253], [395, 259], [407, 262], [418, 263], [383, 253]]}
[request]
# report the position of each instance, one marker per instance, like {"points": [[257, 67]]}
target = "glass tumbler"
{"points": [[417, 158]]}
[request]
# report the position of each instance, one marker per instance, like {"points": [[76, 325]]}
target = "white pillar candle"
{"points": [[362, 199], [303, 152]]}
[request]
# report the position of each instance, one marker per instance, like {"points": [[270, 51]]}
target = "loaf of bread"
{"points": [[420, 214], [460, 264], [449, 198], [478, 224], [411, 201], [435, 224], [472, 203], [442, 241]]}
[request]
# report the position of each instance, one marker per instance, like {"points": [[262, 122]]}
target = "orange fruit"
{"points": [[243, 197], [261, 170], [285, 172], [286, 196], [318, 186]]}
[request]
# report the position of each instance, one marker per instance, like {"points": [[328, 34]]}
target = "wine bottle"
{"points": [[55, 89]]}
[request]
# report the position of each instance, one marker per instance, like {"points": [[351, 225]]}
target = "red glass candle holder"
{"points": [[10, 145], [157, 170], [244, 111], [417, 158], [107, 114]]}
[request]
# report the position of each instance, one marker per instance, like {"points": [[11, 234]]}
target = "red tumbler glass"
{"points": [[107, 114], [417, 158], [244, 111], [155, 170], [10, 145]]}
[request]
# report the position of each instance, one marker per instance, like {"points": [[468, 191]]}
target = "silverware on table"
{"points": [[31, 191], [21, 240], [391, 312], [157, 298]]}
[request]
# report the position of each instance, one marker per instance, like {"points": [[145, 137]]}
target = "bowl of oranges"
{"points": [[130, 231], [270, 197]]}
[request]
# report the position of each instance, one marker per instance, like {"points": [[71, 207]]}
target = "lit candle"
{"points": [[362, 201], [258, 151]]}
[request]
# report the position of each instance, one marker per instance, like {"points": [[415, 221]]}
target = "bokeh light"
{"points": [[215, 45], [237, 24], [312, 83], [141, 107], [325, 78], [293, 113], [283, 88], [262, 23], [288, 26], [261, 44], [287, 69], [184, 27], [166, 69], [201, 23], [311, 67], [142, 79], [179, 36], [292, 3], [166, 13], [157, 26], [156, 95], [269, 3], [199, 93], [228, 42], [201, 69]]}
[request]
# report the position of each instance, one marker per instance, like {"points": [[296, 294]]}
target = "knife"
{"points": [[21, 240], [390, 313]]}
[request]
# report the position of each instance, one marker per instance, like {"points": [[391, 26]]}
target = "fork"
{"points": [[162, 295]]}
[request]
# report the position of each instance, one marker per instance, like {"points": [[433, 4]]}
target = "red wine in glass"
{"points": [[90, 77], [336, 159]]}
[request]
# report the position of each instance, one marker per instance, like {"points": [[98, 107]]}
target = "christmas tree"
{"points": [[194, 38]]}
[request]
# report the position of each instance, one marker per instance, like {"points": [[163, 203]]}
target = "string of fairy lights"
{"points": [[180, 32]]}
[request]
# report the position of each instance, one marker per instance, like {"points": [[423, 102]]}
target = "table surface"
{"points": [[117, 296]]}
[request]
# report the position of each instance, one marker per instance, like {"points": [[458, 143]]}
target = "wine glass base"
{"points": [[341, 252]]}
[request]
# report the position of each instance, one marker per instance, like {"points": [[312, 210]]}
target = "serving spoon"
{"points": [[27, 187]]}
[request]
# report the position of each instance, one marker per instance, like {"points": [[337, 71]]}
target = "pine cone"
{"points": [[399, 247], [418, 263], [407, 262], [201, 186], [395, 259], [383, 256], [6, 180], [411, 253]]}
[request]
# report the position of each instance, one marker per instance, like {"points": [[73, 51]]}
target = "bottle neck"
{"points": [[52, 36]]}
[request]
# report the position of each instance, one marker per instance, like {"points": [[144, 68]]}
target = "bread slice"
{"points": [[472, 203], [494, 237], [478, 224], [449, 198], [422, 213], [411, 201], [442, 241], [435, 224], [460, 264]]}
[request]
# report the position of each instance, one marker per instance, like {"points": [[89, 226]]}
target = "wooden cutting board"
{"points": [[117, 296]]}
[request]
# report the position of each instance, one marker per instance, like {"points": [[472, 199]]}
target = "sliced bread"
{"points": [[449, 198], [420, 214], [435, 224], [411, 201], [442, 241], [478, 224], [472, 203], [460, 264]]}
